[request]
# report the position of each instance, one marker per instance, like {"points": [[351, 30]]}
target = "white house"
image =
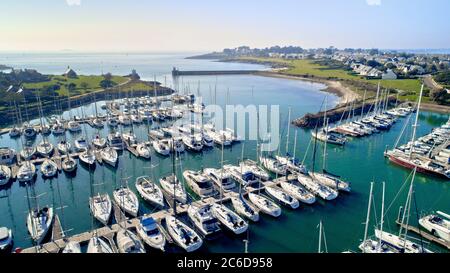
{"points": [[389, 75]]}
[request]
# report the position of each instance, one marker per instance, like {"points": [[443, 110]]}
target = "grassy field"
{"points": [[92, 83], [309, 68]]}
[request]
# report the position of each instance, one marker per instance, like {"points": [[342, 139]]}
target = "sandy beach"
{"points": [[345, 94]]}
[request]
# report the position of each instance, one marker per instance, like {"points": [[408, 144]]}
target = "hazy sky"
{"points": [[204, 25]]}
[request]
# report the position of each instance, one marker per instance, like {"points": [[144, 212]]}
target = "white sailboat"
{"points": [[316, 188], [161, 147], [49, 168], [81, 144], [299, 192], [98, 245], [149, 191], [143, 150], [68, 164], [252, 166], [99, 142], [88, 158], [109, 155], [242, 207], [115, 141], [28, 152], [148, 230], [127, 200], [45, 148], [72, 247], [101, 207], [6, 238], [128, 242], [272, 164], [63, 147], [39, 222], [229, 219], [174, 188], [265, 205], [282, 197], [73, 126], [5, 175], [26, 172], [183, 235]]}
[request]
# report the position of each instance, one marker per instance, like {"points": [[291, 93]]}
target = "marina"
{"points": [[301, 221]]}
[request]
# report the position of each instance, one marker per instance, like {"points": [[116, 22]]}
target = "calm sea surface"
{"points": [[359, 162]]}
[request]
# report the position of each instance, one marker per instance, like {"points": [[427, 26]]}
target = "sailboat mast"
{"points": [[288, 131], [295, 144], [368, 214], [320, 237], [324, 163], [415, 123], [382, 213]]}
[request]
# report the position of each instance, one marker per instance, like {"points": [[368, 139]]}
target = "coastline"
{"points": [[345, 94]]}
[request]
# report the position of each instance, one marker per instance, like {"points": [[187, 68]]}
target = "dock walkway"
{"points": [[110, 231]]}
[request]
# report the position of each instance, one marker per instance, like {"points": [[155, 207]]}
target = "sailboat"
{"points": [[273, 165], [242, 207], [316, 188], [127, 200], [99, 142], [143, 150], [282, 197], [72, 247], [183, 235], [299, 192], [399, 241], [101, 207], [229, 219], [45, 148], [149, 191], [99, 245], [265, 205], [172, 185], [28, 151], [411, 160], [26, 172], [39, 221], [109, 155], [128, 242], [49, 168], [5, 175], [328, 179], [63, 147], [291, 163]]}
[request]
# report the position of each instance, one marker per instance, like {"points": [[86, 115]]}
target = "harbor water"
{"points": [[359, 162]]}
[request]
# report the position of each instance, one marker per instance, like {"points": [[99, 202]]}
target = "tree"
{"points": [[84, 85], [107, 76]]}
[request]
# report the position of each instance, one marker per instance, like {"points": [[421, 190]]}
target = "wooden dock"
{"points": [[109, 231], [425, 235]]}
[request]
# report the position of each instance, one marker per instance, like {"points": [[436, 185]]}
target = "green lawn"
{"points": [[93, 83], [308, 67]]}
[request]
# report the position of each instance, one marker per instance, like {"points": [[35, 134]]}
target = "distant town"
{"points": [[366, 64]]}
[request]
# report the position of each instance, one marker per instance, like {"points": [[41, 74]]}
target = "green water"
{"points": [[359, 162]]}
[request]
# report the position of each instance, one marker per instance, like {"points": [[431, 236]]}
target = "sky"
{"points": [[211, 25]]}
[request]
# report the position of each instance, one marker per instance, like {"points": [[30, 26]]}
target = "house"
{"points": [[389, 75], [70, 73]]}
